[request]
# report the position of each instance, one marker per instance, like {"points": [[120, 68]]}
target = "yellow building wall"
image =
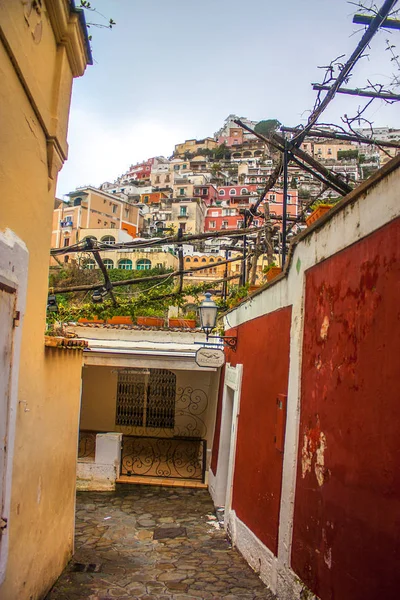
{"points": [[34, 106]]}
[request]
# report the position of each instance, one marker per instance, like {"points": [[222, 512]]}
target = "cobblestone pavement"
{"points": [[153, 543]]}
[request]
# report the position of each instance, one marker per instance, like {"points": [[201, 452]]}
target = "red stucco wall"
{"points": [[263, 349], [346, 540]]}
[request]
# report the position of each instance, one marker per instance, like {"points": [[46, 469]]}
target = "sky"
{"points": [[172, 70]]}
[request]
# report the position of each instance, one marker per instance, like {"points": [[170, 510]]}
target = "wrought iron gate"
{"points": [[178, 458]]}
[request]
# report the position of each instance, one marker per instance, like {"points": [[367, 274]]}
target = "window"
{"points": [[144, 264], [213, 224], [125, 264], [182, 191], [272, 197], [232, 192], [182, 227], [146, 199], [224, 224], [112, 225], [90, 264], [146, 398], [77, 201], [221, 192], [126, 213], [329, 151], [157, 179], [195, 259], [203, 260], [211, 260], [240, 223], [66, 242], [108, 263], [167, 179], [204, 191], [108, 239], [183, 211], [184, 166], [176, 167], [244, 191], [255, 222], [187, 259], [114, 208]]}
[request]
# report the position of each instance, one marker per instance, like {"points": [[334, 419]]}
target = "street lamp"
{"points": [[208, 314], [208, 317]]}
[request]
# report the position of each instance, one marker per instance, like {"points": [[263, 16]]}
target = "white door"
{"points": [[7, 304]]}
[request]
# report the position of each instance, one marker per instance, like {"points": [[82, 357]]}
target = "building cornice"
{"points": [[69, 27]]}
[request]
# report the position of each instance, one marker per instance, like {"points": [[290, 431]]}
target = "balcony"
{"points": [[66, 225]]}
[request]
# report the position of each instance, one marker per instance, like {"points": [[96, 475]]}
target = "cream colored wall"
{"points": [[32, 124], [322, 150], [99, 397], [166, 259]]}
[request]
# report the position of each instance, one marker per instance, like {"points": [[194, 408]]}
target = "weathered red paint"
{"points": [[263, 349], [346, 540]]}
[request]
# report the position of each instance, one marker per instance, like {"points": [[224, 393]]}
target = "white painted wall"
{"points": [[361, 213]]}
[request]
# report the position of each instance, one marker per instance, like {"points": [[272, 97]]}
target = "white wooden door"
{"points": [[7, 304]]}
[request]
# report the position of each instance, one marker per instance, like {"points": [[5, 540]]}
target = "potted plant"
{"points": [[150, 317], [317, 213], [188, 321], [271, 271]]}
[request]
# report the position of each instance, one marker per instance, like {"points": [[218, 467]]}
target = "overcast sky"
{"points": [[171, 70]]}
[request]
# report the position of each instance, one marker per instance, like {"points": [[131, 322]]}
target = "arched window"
{"points": [[244, 191], [232, 192], [219, 259], [108, 263], [144, 264], [221, 192], [203, 260], [126, 264], [108, 239], [187, 259], [90, 264], [211, 259], [77, 201], [247, 154], [195, 259]]}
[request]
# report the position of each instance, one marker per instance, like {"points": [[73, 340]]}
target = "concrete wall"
{"points": [[340, 490], [41, 49]]}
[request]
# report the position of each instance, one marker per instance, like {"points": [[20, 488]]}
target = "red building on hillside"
{"points": [[208, 193], [142, 170]]}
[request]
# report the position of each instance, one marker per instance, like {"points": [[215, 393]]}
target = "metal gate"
{"points": [[177, 458]]}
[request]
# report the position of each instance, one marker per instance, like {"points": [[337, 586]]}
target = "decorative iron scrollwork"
{"points": [[168, 457], [190, 411], [87, 444]]}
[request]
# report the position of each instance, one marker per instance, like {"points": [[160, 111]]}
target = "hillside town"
{"points": [[199, 374], [208, 186]]}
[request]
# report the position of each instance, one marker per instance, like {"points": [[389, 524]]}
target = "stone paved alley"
{"points": [[153, 543]]}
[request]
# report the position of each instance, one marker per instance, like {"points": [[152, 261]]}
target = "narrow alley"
{"points": [[153, 543]]}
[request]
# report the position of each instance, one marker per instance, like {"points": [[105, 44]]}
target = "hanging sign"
{"points": [[210, 357]]}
